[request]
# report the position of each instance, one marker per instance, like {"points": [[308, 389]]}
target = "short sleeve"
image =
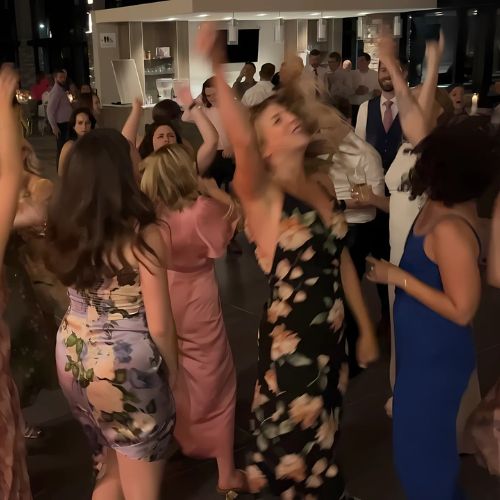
{"points": [[212, 227]]}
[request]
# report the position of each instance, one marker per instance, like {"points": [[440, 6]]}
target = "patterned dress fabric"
{"points": [[111, 372], [14, 481], [302, 373]]}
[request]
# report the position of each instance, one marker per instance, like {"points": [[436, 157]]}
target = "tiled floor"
{"points": [[60, 469]]}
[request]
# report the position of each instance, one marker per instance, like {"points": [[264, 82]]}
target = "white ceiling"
{"points": [[265, 16], [217, 10]]}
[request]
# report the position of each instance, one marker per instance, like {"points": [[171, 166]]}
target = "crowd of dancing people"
{"points": [[117, 256]]}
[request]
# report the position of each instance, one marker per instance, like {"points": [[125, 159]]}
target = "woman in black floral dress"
{"points": [[302, 349]]}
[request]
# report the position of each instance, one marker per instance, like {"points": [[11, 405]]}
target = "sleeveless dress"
{"points": [[434, 361], [302, 373], [111, 372], [205, 392]]}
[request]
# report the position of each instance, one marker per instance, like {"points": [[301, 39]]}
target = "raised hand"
{"points": [[208, 44], [434, 48]]}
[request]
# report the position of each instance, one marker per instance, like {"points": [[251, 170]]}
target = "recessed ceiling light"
{"points": [[262, 14], [315, 14], [361, 14], [228, 18], [171, 19], [202, 15]]}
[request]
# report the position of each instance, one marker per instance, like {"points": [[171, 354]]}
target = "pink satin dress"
{"points": [[205, 393]]}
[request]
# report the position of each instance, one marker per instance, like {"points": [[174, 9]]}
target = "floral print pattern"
{"points": [[302, 350], [112, 373]]}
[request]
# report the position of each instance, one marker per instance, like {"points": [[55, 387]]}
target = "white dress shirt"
{"points": [[355, 155], [369, 80], [363, 114], [258, 93], [339, 83]]}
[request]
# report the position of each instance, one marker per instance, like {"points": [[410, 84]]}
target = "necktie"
{"points": [[388, 118]]}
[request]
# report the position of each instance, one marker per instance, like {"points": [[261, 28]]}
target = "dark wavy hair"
{"points": [[457, 161], [146, 147], [72, 121], [96, 212]]}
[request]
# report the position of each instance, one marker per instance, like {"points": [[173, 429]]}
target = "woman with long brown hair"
{"points": [[116, 347]]}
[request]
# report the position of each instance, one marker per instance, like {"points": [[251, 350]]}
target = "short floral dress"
{"points": [[302, 373], [111, 372]]}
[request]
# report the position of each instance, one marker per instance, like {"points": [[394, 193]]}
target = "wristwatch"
{"points": [[342, 205]]}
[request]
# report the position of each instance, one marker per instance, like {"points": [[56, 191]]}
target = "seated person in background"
{"points": [[263, 89], [247, 72], [457, 96]]}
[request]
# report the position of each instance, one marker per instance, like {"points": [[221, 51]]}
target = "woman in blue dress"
{"points": [[438, 291]]}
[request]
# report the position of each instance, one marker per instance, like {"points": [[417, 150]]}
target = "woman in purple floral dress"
{"points": [[116, 347]]}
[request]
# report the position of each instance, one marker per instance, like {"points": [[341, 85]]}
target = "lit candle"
{"points": [[473, 109]]}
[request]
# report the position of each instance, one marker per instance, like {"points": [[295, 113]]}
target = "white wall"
{"points": [[269, 52]]}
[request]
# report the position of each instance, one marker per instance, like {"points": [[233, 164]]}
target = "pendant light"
{"points": [[232, 32], [361, 27], [397, 30], [322, 29], [279, 29]]}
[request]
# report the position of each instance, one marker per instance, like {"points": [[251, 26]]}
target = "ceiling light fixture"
{"points": [[171, 19], [397, 29], [232, 32], [202, 15], [315, 14], [227, 18], [361, 27], [262, 14], [279, 29], [322, 30]]}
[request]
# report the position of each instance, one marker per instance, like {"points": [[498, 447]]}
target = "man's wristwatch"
{"points": [[342, 205]]}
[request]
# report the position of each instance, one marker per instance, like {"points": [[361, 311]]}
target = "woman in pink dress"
{"points": [[14, 481], [197, 228]]}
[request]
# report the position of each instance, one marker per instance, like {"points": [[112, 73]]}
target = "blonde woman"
{"points": [[197, 226], [14, 481]]}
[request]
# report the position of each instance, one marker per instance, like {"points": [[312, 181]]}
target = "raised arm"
{"points": [[131, 127], [208, 150], [413, 120], [11, 163], [251, 179], [427, 97]]}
